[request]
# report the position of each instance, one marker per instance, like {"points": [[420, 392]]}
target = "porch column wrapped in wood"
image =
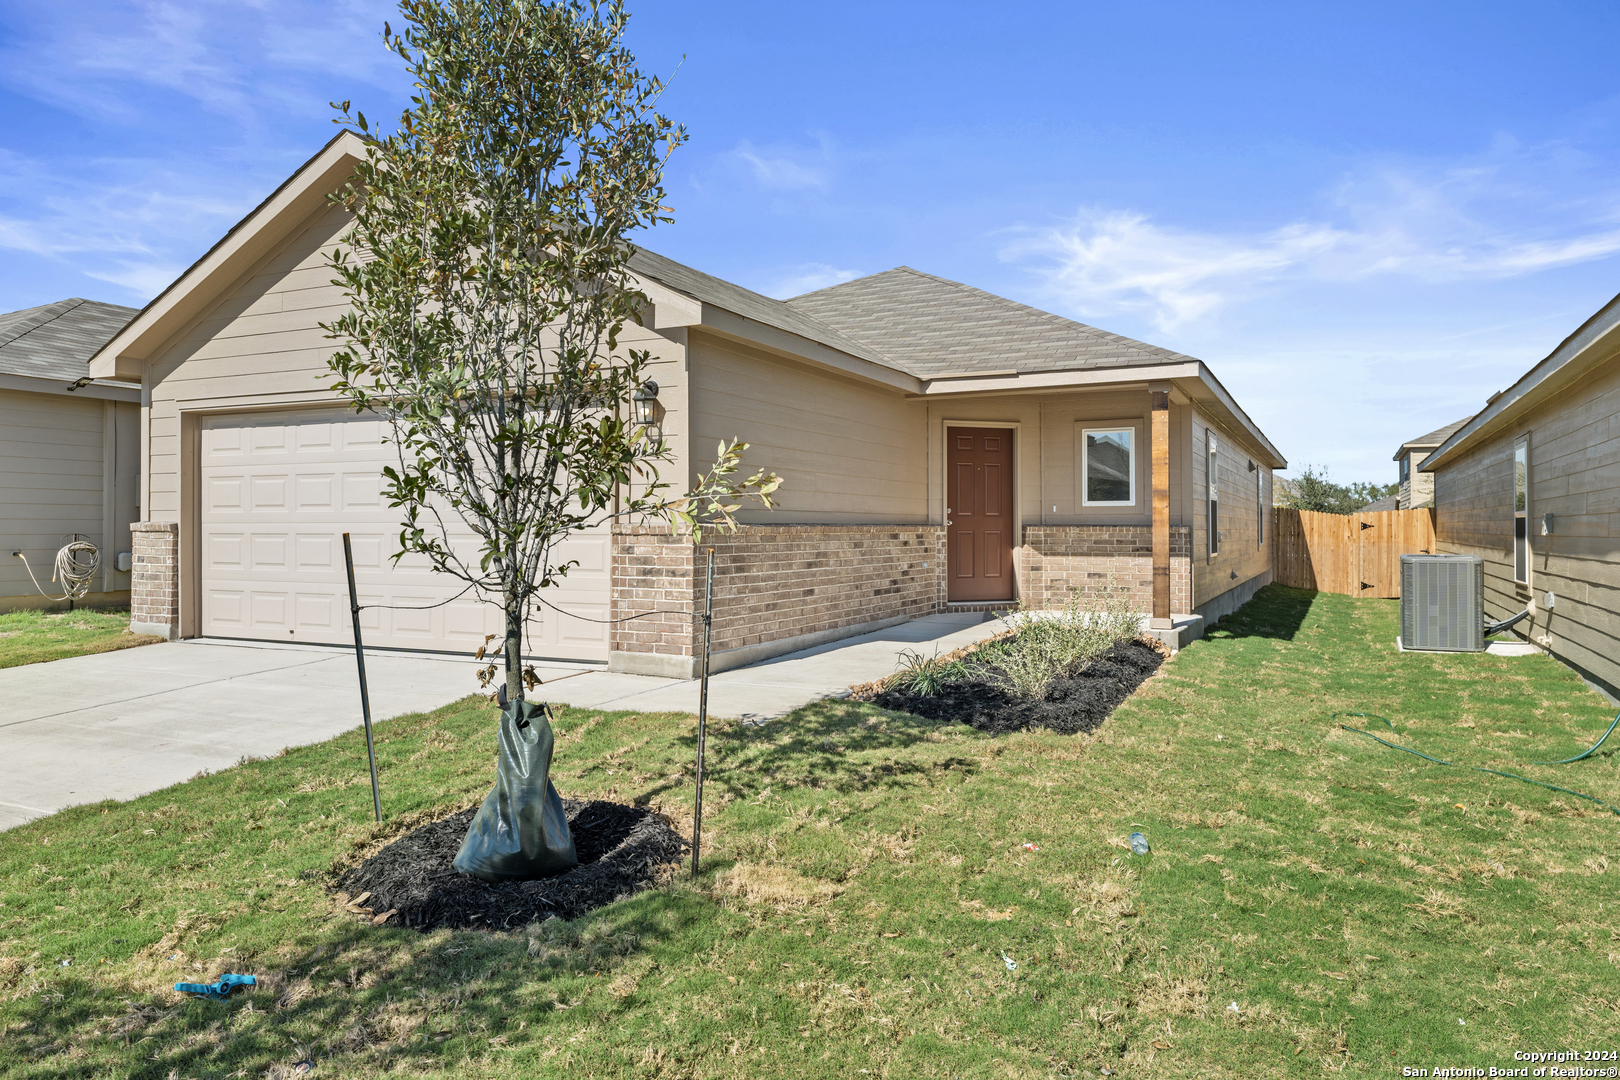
{"points": [[1161, 507]]}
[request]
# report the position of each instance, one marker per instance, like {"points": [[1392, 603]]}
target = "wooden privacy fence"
{"points": [[1354, 554]]}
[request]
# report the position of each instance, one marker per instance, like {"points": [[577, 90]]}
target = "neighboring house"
{"points": [[69, 449], [1417, 487], [1532, 484], [1388, 502], [941, 448]]}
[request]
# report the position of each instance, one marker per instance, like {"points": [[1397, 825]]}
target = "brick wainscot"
{"points": [[777, 588], [1059, 560], [154, 595]]}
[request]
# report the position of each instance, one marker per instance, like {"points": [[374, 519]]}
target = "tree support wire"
{"points": [[703, 713], [360, 662]]}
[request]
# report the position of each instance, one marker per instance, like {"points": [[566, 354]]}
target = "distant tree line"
{"points": [[1313, 490]]}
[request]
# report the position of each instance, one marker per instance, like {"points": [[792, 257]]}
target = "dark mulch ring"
{"points": [[1076, 702], [622, 850]]}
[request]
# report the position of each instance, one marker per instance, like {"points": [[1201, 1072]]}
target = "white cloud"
{"points": [[252, 62], [784, 170], [808, 277], [138, 233], [1473, 223]]}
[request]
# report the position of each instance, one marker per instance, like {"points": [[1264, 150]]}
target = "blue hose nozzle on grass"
{"points": [[217, 989]]}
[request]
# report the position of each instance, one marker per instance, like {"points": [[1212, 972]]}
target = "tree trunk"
{"points": [[512, 650]]}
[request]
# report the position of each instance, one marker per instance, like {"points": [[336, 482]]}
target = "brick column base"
{"points": [[154, 595]]}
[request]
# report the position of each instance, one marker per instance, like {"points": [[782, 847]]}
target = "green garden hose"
{"points": [[1493, 772]]}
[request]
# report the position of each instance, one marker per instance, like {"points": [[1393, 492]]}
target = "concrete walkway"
{"points": [[120, 724]]}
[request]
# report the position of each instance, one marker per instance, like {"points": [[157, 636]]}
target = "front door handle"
{"points": [[948, 517]]}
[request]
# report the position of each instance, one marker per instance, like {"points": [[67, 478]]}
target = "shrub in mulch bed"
{"points": [[1079, 700], [622, 850]]}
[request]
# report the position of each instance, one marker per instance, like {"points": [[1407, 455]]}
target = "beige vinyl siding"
{"points": [[1574, 475], [1062, 418], [1242, 553], [848, 452], [60, 476], [260, 345]]}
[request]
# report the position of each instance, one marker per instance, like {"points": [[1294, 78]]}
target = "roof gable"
{"points": [[931, 326], [1431, 440], [56, 341]]}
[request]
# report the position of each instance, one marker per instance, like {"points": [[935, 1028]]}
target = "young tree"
{"points": [[488, 282]]}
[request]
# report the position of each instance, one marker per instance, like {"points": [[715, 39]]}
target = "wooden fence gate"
{"points": [[1354, 554]]}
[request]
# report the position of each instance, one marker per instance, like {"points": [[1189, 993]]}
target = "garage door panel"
{"points": [[226, 605], [280, 489], [268, 610]]}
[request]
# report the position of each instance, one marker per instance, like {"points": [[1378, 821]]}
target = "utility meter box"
{"points": [[1443, 603]]}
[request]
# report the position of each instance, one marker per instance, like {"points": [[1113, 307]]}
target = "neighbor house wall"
{"points": [[70, 464], [1574, 475], [1242, 564], [1418, 487]]}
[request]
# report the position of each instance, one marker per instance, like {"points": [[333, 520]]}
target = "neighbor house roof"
{"points": [[931, 327], [1594, 342], [56, 341], [1431, 440], [1388, 502]]}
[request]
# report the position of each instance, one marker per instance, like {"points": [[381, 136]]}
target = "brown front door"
{"points": [[979, 513]]}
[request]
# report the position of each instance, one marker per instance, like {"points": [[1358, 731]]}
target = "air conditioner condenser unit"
{"points": [[1443, 603]]}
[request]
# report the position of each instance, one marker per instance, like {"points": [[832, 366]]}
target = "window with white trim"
{"points": [[1259, 507], [1108, 466], [1521, 509], [1214, 494]]}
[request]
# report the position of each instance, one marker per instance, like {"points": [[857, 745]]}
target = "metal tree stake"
{"points": [[703, 713], [360, 659]]}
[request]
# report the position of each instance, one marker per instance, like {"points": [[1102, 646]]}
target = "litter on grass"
{"points": [[222, 988], [1012, 965], [622, 850], [1032, 847], [1139, 844]]}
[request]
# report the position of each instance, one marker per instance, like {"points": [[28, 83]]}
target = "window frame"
{"points": [[1521, 497], [1406, 468], [1133, 429], [1213, 469], [1259, 506]]}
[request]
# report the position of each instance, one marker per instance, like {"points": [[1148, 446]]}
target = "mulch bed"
{"points": [[622, 850], [1076, 702]]}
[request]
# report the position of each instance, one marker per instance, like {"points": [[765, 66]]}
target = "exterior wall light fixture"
{"points": [[645, 401]]}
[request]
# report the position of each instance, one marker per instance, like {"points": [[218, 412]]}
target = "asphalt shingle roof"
{"points": [[931, 326], [748, 304], [1432, 439], [56, 341]]}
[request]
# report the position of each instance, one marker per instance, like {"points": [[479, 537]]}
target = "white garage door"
{"points": [[279, 490]]}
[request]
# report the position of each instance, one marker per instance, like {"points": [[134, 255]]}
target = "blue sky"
{"points": [[1366, 218]]}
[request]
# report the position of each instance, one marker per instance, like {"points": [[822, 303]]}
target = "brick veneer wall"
{"points": [[154, 597], [1059, 559], [772, 582]]}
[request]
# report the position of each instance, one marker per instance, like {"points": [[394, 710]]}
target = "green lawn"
{"points": [[867, 884], [29, 637]]}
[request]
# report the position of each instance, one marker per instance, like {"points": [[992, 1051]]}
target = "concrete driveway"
{"points": [[121, 724]]}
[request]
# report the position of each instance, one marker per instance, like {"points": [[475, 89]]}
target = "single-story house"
{"points": [[1532, 484], [1388, 502], [1417, 487], [69, 449], [942, 449]]}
